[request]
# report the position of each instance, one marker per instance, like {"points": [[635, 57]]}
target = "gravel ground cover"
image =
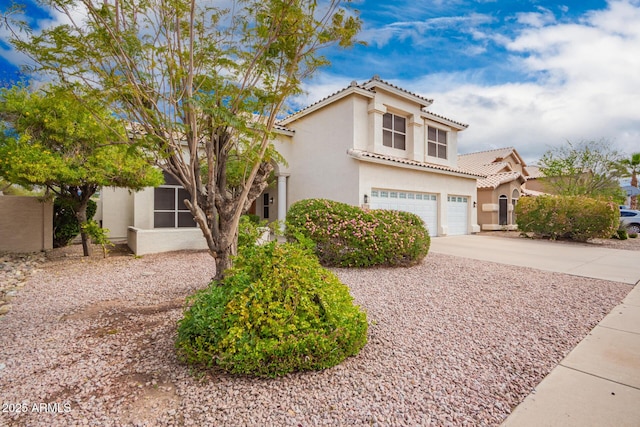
{"points": [[452, 342]]}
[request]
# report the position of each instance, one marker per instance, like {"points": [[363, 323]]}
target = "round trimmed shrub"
{"points": [[276, 311], [577, 218], [346, 236]]}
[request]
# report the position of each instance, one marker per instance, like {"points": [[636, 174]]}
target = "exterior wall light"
{"points": [[366, 199]]}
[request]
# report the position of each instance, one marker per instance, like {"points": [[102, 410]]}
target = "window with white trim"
{"points": [[394, 131], [169, 210], [437, 143]]}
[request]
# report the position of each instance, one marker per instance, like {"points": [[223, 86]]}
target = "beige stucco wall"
{"points": [[117, 211], [317, 155], [489, 206], [417, 124], [144, 242], [398, 178], [26, 224]]}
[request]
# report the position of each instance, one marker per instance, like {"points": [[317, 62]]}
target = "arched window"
{"points": [[514, 201]]}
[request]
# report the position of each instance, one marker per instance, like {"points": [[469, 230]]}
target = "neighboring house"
{"points": [[373, 145], [505, 182]]}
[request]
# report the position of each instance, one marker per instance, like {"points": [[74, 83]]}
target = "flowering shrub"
{"points": [[577, 218], [347, 236], [276, 311]]}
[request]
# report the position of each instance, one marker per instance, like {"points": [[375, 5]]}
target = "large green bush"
{"points": [[65, 223], [347, 236], [277, 311], [577, 218]]}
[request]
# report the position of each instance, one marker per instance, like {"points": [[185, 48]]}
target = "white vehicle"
{"points": [[630, 219]]}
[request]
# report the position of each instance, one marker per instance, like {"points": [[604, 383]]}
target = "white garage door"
{"points": [[422, 204], [457, 214]]}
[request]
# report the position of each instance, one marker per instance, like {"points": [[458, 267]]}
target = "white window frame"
{"points": [[395, 133], [441, 148]]}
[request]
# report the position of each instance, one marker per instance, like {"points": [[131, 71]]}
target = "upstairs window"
{"points": [[437, 143], [169, 210], [394, 131]]}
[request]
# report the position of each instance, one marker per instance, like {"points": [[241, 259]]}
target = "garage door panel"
{"points": [[457, 215], [422, 204]]}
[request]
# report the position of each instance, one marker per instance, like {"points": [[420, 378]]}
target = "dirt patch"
{"points": [[153, 396]]}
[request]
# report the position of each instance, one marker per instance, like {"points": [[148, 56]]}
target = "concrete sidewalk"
{"points": [[598, 383]]}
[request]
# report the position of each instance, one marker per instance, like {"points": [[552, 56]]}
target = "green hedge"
{"points": [[277, 311], [347, 236], [577, 218]]}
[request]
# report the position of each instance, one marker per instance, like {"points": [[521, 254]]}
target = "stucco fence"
{"points": [[26, 224]]}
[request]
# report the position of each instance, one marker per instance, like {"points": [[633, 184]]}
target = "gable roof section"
{"points": [[368, 90], [477, 160], [492, 164], [491, 168], [411, 164], [376, 82], [493, 181], [342, 93]]}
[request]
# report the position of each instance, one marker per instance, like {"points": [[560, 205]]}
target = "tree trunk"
{"points": [[81, 216], [224, 257], [634, 183]]}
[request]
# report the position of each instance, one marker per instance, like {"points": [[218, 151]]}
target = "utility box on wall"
{"points": [[26, 224]]}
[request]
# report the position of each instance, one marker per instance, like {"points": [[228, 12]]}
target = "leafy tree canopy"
{"points": [[584, 168], [204, 81], [69, 143]]}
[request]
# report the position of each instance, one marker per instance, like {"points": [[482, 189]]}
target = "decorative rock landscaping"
{"points": [[15, 269]]}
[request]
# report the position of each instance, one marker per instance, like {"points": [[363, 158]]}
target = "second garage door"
{"points": [[457, 214], [424, 205]]}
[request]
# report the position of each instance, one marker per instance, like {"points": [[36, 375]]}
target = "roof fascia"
{"points": [[413, 167], [439, 119], [399, 93], [325, 102]]}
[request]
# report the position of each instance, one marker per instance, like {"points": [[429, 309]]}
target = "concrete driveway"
{"points": [[598, 383], [563, 257]]}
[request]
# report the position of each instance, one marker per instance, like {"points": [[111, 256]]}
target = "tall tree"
{"points": [[586, 168], [69, 144], [203, 81], [630, 167]]}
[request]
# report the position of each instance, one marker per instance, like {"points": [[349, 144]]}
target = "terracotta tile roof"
{"points": [[335, 94], [372, 82], [493, 181], [282, 128], [490, 169], [359, 154], [477, 160], [534, 172], [492, 164], [438, 116]]}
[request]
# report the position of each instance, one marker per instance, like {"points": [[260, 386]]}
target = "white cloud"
{"points": [[417, 30], [536, 19], [584, 85]]}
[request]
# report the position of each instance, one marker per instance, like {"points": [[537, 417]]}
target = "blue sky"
{"points": [[528, 74]]}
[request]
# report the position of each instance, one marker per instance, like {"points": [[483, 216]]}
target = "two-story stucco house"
{"points": [[372, 144]]}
